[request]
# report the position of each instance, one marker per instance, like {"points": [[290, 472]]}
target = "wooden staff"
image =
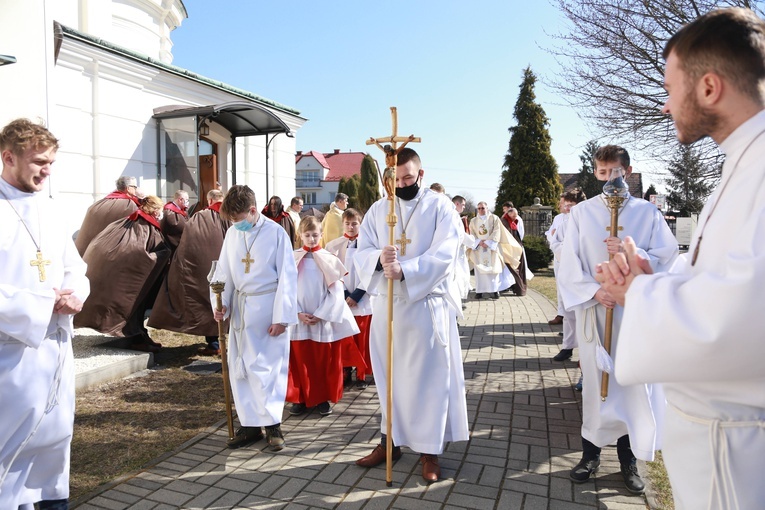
{"points": [[389, 182], [614, 203], [217, 288]]}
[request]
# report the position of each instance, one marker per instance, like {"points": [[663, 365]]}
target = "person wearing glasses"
{"points": [[117, 205]]}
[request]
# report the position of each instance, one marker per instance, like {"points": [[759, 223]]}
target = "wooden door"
{"points": [[208, 178]]}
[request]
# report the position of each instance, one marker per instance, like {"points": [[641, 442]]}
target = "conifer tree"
{"points": [[586, 179], [688, 190], [529, 170], [650, 191], [369, 188]]}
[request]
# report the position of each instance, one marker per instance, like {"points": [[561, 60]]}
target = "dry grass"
{"points": [[657, 473], [544, 283], [121, 426]]}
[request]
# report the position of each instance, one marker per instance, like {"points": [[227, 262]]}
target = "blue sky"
{"points": [[452, 68]]}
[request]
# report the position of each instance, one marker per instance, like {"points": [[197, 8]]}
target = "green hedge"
{"points": [[538, 254]]}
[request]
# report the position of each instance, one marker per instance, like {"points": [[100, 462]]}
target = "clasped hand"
{"points": [[390, 264], [615, 276], [66, 302]]}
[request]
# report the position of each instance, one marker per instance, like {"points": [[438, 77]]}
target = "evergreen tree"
{"points": [[651, 191], [529, 170], [350, 186], [586, 179], [369, 188], [687, 189]]}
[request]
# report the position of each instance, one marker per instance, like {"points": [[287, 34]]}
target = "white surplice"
{"points": [[267, 295], [327, 302], [429, 406], [555, 237], [634, 410], [36, 361], [462, 268], [345, 249], [697, 330]]}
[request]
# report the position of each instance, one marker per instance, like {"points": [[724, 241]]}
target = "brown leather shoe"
{"points": [[431, 471], [208, 351], [558, 320], [377, 457]]}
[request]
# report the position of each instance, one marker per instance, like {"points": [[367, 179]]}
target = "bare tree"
{"points": [[613, 71]]}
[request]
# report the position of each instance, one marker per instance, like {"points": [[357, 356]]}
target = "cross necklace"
{"points": [[38, 260], [403, 241], [247, 260]]}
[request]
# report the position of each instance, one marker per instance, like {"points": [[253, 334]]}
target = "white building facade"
{"points": [[99, 73]]}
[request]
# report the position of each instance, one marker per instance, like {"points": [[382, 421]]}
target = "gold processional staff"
{"points": [[616, 192], [389, 182]]}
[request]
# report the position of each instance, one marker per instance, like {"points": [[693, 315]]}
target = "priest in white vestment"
{"points": [[258, 268], [697, 328], [429, 407], [491, 275], [43, 285], [631, 414]]}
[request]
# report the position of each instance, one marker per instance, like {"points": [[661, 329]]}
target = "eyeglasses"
{"points": [[481, 208]]}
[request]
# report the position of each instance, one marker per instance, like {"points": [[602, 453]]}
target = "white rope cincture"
{"points": [[722, 491], [240, 370]]}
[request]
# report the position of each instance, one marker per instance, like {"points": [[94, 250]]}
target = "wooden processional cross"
{"points": [[389, 182], [389, 178]]}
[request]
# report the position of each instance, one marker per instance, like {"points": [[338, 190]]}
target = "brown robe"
{"points": [[282, 219], [172, 224], [519, 274], [183, 302], [115, 206], [125, 265]]}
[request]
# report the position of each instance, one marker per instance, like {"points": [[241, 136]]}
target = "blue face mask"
{"points": [[244, 225]]}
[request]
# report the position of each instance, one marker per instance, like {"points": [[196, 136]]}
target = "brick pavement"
{"points": [[524, 418]]}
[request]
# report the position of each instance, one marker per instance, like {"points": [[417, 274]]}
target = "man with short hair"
{"points": [[708, 353], [296, 206], [486, 254], [174, 218], [332, 224], [39, 296], [430, 406], [117, 205], [631, 415]]}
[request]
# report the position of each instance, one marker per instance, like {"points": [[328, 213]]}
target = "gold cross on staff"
{"points": [[40, 263], [403, 242], [247, 261]]}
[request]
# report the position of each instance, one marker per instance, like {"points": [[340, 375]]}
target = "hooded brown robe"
{"points": [[183, 303], [117, 205], [125, 265]]}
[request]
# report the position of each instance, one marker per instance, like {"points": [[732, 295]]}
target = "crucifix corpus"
{"points": [[40, 263], [389, 182]]}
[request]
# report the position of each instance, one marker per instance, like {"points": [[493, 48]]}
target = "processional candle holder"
{"points": [[218, 285]]}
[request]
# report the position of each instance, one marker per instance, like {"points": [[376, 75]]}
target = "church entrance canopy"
{"points": [[179, 127]]}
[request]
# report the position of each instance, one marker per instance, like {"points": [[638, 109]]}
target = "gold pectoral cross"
{"points": [[403, 242], [40, 263], [247, 261]]}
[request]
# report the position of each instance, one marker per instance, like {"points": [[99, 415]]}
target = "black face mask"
{"points": [[408, 192]]}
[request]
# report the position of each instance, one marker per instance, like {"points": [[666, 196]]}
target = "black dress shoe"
{"points": [[582, 471], [563, 355], [495, 295], [245, 436], [632, 479], [478, 295]]}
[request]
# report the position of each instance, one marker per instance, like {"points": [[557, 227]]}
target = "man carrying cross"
{"points": [[43, 285], [429, 405]]}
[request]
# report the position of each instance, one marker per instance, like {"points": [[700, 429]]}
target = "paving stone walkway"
{"points": [[524, 416]]}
